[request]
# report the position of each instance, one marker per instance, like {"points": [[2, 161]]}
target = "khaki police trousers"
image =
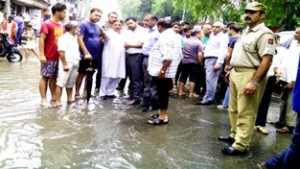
{"points": [[243, 109]]}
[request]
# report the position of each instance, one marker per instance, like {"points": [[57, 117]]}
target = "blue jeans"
{"points": [[225, 102], [211, 78], [289, 158]]}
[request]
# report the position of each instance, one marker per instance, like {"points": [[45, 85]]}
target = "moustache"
{"points": [[247, 18]]}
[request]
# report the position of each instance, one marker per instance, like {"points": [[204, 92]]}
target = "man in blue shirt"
{"points": [[19, 20], [289, 158], [89, 42], [150, 92]]}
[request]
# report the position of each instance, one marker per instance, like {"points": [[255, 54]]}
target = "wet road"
{"points": [[107, 134]]}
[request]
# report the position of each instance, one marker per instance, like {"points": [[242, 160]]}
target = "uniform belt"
{"points": [[244, 69]]}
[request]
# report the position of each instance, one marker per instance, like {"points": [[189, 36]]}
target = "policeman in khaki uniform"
{"points": [[251, 59]]}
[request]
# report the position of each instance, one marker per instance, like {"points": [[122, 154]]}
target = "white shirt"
{"points": [[277, 59], [290, 63], [68, 44], [168, 47], [217, 46], [135, 37]]}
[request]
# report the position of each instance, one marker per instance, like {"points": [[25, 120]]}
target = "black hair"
{"points": [[113, 12], [70, 25], [235, 27], [119, 20], [59, 7], [175, 23], [153, 17], [164, 23], [131, 18], [185, 23], [195, 32], [95, 9], [187, 29]]}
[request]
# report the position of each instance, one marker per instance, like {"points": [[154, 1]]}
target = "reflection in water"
{"points": [[108, 134]]}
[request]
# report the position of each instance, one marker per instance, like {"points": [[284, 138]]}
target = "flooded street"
{"points": [[109, 135]]}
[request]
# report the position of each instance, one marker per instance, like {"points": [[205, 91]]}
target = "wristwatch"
{"points": [[162, 71]]}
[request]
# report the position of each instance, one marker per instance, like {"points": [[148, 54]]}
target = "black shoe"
{"points": [[226, 139], [111, 96], [103, 97], [149, 109], [232, 151], [204, 103], [133, 102]]}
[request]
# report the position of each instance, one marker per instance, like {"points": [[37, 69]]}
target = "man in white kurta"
{"points": [[113, 62]]}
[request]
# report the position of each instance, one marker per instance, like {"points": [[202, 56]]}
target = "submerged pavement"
{"points": [[109, 134]]}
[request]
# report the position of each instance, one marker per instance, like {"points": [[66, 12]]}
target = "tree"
{"points": [[130, 8], [280, 13], [163, 8]]}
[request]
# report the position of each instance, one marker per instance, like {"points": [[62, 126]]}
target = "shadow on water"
{"points": [[108, 134]]}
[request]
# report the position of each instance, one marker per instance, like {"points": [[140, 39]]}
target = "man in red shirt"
{"points": [[50, 32], [10, 27]]}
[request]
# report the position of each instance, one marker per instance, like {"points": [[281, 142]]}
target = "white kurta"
{"points": [[113, 57]]}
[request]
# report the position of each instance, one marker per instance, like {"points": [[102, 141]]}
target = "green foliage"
{"points": [[280, 13], [130, 8]]}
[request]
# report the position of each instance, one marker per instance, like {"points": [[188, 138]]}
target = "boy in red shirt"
{"points": [[50, 32]]}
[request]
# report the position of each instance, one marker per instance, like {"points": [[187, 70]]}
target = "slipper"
{"points": [[285, 129], [183, 94], [273, 122], [277, 124], [157, 121]]}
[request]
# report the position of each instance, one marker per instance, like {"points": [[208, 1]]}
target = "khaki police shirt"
{"points": [[252, 45]]}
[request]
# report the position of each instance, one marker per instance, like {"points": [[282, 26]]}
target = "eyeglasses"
{"points": [[216, 26]]}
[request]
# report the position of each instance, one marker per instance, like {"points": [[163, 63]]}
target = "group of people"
{"points": [[22, 31], [155, 56]]}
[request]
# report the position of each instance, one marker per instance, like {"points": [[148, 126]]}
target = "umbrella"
{"points": [[89, 82]]}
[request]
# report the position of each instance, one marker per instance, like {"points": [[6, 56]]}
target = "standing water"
{"points": [[108, 134]]}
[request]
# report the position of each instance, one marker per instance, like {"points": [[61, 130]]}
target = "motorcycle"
{"points": [[8, 49]]}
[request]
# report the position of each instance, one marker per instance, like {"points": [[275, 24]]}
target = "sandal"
{"points": [[277, 124], [78, 97], [285, 129], [157, 121], [154, 116]]}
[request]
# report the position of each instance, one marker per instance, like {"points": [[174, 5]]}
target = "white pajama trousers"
{"points": [[108, 86]]}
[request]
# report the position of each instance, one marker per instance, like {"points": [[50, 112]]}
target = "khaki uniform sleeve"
{"points": [[266, 45]]}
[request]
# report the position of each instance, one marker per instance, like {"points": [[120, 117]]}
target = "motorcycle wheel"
{"points": [[14, 56]]}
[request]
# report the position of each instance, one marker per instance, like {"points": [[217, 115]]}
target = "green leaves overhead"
{"points": [[280, 13]]}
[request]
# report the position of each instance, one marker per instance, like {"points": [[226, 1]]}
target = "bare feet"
{"points": [[43, 102], [193, 95], [70, 101]]}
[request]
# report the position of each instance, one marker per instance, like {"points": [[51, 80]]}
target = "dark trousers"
{"points": [[163, 88], [265, 102], [135, 74], [191, 71], [18, 37], [178, 73], [150, 89], [201, 83], [289, 158], [99, 72]]}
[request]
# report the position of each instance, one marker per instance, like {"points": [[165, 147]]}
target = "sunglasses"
{"points": [[250, 11]]}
